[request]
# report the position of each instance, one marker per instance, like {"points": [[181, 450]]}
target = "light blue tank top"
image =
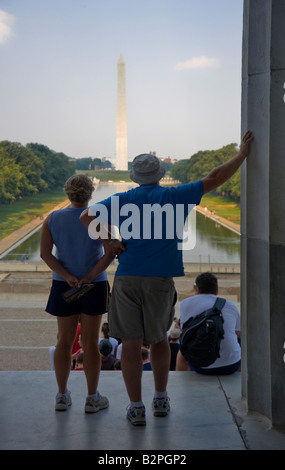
{"points": [[76, 251]]}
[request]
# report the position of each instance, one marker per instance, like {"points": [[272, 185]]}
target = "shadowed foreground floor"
{"points": [[207, 413]]}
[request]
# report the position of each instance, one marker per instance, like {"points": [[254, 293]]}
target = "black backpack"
{"points": [[201, 336]]}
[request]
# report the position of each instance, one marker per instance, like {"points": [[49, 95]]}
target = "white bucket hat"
{"points": [[146, 169]]}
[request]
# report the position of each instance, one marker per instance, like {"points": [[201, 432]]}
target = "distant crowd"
{"points": [[111, 349]]}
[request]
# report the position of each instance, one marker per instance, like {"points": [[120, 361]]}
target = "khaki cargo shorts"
{"points": [[142, 308]]}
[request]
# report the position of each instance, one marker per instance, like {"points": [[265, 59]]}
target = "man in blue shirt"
{"points": [[150, 219]]}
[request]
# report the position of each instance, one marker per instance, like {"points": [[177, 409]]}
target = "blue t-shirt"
{"points": [[76, 251], [150, 219]]}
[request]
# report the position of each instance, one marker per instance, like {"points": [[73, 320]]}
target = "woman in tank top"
{"points": [[78, 260]]}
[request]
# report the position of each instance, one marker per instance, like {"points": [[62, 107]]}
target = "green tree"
{"points": [[202, 162], [179, 171], [83, 164], [27, 170], [10, 178], [57, 167], [29, 165], [92, 163]]}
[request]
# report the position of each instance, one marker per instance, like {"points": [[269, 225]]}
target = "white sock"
{"points": [[160, 394], [136, 404], [66, 394], [95, 396]]}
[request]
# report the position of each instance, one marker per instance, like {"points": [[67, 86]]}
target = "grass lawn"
{"points": [[224, 207], [19, 213]]}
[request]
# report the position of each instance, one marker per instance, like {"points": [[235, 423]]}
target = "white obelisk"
{"points": [[121, 131]]}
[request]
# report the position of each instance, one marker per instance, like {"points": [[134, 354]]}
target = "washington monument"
{"points": [[121, 131]]}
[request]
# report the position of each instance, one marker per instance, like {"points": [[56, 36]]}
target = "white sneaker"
{"points": [[161, 406], [92, 405], [136, 415], [62, 402]]}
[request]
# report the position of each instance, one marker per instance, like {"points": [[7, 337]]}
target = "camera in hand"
{"points": [[76, 292]]}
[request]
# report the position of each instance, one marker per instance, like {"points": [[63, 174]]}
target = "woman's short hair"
{"points": [[79, 188]]}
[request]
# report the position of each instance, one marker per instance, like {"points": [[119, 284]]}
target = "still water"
{"points": [[214, 243]]}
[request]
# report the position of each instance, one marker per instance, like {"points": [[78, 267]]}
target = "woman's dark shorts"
{"points": [[94, 302]]}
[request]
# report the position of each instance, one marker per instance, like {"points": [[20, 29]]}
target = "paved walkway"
{"points": [[219, 220]]}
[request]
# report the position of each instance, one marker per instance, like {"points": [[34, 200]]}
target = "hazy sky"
{"points": [[58, 80]]}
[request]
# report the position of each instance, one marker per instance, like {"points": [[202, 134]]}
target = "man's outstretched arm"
{"points": [[222, 173]]}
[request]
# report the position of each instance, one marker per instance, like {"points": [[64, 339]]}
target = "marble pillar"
{"points": [[263, 209]]}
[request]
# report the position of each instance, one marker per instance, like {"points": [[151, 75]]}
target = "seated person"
{"points": [[79, 362], [107, 360], [106, 336], [145, 359], [174, 345], [206, 288]]}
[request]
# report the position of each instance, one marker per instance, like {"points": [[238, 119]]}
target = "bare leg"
{"points": [[91, 357], [181, 363], [67, 327], [160, 360], [131, 362]]}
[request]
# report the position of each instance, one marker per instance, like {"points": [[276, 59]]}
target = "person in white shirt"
{"points": [[206, 288], [106, 336]]}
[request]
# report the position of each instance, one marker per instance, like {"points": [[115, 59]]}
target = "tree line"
{"points": [[27, 170], [202, 162], [90, 163]]}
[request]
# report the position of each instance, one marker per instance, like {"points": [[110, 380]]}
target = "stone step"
{"points": [[23, 314], [35, 333], [24, 358]]}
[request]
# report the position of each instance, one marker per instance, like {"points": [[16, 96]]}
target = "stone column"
{"points": [[263, 209]]}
